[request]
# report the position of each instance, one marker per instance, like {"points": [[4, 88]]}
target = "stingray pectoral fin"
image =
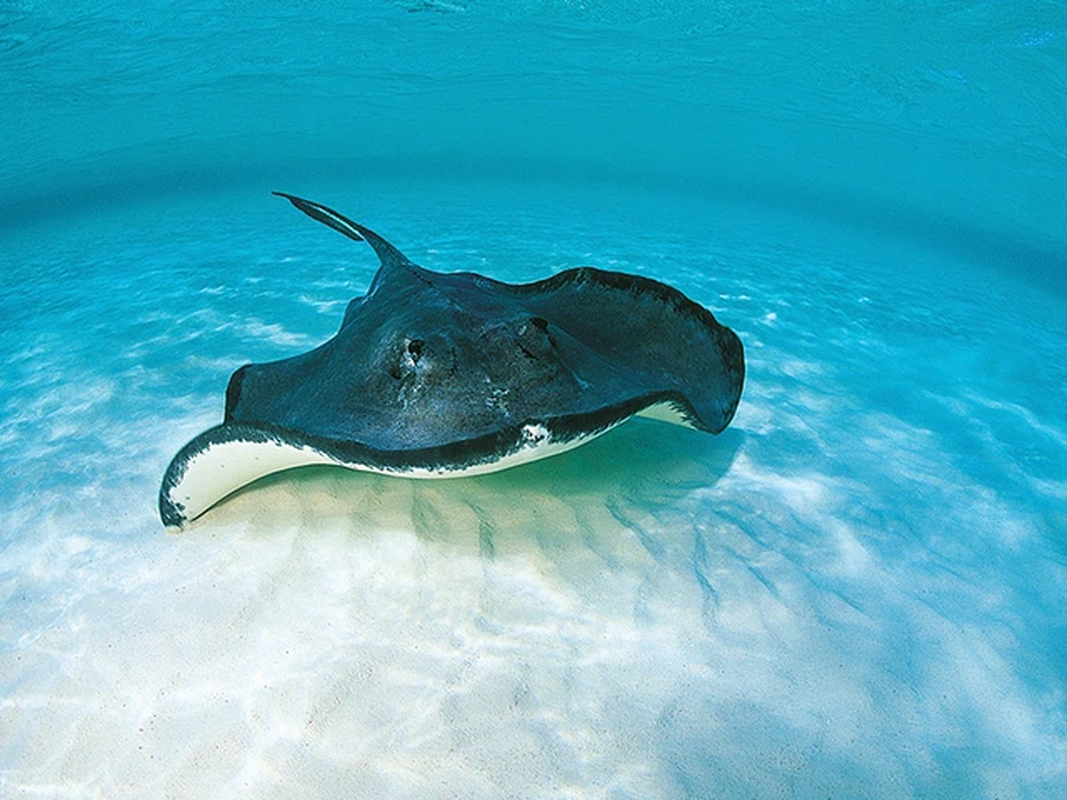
{"points": [[228, 457], [220, 461]]}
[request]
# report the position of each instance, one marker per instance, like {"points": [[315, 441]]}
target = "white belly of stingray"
{"points": [[221, 468], [666, 412]]}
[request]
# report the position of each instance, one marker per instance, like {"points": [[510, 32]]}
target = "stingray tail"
{"points": [[353, 230]]}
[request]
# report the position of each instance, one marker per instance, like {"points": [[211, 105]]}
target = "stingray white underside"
{"points": [[222, 468]]}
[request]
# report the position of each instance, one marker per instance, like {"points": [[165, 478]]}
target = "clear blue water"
{"points": [[859, 589]]}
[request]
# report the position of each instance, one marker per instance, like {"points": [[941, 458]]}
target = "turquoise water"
{"points": [[858, 589]]}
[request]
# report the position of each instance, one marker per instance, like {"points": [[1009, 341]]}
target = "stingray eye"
{"points": [[540, 322], [415, 349]]}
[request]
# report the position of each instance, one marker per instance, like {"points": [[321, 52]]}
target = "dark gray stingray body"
{"points": [[435, 375]]}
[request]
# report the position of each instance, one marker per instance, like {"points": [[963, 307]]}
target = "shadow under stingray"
{"points": [[635, 470]]}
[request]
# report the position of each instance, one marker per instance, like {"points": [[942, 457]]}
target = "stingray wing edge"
{"points": [[224, 459]]}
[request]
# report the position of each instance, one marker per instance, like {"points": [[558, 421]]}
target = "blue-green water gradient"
{"points": [[859, 589]]}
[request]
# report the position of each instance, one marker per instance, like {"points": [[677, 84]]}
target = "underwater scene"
{"points": [[857, 589]]}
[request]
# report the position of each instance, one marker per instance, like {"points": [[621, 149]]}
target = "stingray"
{"points": [[435, 375]]}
